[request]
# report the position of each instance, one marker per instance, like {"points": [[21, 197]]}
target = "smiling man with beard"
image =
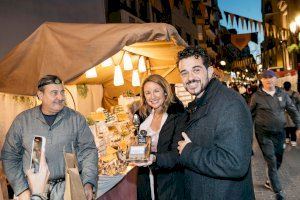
{"points": [[64, 130], [217, 134]]}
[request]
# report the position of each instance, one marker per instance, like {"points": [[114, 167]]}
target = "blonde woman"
{"points": [[160, 178]]}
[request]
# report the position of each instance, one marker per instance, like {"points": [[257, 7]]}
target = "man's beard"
{"points": [[202, 88]]}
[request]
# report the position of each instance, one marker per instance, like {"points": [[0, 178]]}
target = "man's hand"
{"points": [[298, 136], [24, 195], [182, 143], [88, 190]]}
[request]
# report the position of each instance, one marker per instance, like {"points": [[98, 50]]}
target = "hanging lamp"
{"points": [[135, 78], [127, 62], [106, 63], [91, 73], [142, 64], [118, 76]]}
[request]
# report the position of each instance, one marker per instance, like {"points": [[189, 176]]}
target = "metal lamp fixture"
{"points": [[91, 73], [135, 78], [142, 64], [127, 62], [118, 76]]}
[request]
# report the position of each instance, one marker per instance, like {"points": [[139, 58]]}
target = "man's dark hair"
{"points": [[287, 85], [196, 52], [48, 79]]}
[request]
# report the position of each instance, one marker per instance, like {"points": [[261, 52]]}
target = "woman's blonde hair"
{"points": [[145, 109]]}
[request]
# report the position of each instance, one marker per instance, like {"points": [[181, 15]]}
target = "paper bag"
{"points": [[3, 185], [73, 189]]}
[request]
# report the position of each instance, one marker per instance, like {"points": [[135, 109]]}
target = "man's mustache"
{"points": [[59, 101], [192, 81]]}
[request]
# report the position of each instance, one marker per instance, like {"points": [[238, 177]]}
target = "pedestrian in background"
{"points": [[290, 128], [267, 106]]}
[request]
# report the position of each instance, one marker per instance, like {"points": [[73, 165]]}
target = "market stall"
{"points": [[69, 50]]}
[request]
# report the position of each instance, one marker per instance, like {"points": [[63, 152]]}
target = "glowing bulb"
{"points": [[222, 62], [297, 19], [293, 27]]}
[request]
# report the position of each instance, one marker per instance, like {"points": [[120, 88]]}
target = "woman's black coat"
{"points": [[168, 175]]}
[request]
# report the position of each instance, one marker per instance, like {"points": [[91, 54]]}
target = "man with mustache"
{"points": [[268, 105], [217, 134], [64, 130]]}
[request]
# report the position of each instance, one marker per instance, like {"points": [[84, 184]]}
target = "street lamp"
{"points": [[222, 62]]}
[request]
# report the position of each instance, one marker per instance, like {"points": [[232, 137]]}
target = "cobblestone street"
{"points": [[289, 174]]}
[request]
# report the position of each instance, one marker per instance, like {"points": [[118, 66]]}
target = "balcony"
{"points": [[210, 31], [142, 13], [200, 32], [211, 53], [200, 21], [127, 17], [212, 49], [131, 10]]}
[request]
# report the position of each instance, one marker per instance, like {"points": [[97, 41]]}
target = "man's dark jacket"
{"points": [[268, 111], [218, 160]]}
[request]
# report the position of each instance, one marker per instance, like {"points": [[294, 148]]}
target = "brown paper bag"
{"points": [[73, 189], [3, 185]]}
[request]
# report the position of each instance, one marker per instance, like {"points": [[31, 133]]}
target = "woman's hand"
{"points": [[151, 160]]}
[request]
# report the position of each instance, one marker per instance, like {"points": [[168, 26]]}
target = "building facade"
{"points": [[197, 22], [277, 17]]}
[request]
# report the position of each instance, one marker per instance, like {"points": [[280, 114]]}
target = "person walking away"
{"points": [[290, 128]]}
